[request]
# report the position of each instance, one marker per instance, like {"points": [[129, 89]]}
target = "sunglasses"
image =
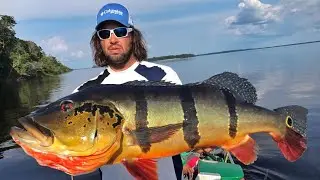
{"points": [[119, 32]]}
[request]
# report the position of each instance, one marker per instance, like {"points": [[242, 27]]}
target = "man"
{"points": [[119, 46], [191, 168]]}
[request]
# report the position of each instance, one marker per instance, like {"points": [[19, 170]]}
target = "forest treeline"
{"points": [[21, 58]]}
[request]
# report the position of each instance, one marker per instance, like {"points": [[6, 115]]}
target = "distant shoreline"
{"points": [[259, 48], [180, 56], [183, 56]]}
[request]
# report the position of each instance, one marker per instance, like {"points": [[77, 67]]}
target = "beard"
{"points": [[119, 61]]}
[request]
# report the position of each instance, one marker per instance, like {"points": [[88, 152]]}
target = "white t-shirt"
{"points": [[143, 70], [146, 71]]}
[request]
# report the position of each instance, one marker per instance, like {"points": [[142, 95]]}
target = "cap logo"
{"points": [[111, 11]]}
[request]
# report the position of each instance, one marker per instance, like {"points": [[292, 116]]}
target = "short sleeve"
{"points": [[171, 76]]}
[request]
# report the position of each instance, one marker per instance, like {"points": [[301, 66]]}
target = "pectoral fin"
{"points": [[142, 169], [245, 151], [144, 137], [158, 134]]}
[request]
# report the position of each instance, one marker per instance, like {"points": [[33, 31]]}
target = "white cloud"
{"points": [[54, 45], [254, 12], [64, 51], [255, 17], [78, 54], [307, 10], [38, 9], [311, 6], [249, 29]]}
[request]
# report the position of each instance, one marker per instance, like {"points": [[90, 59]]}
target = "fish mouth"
{"points": [[32, 132]]}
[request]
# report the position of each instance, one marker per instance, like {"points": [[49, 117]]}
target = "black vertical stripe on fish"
{"points": [[190, 123], [233, 117], [141, 120]]}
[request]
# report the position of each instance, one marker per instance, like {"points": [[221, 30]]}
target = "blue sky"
{"points": [[63, 28]]}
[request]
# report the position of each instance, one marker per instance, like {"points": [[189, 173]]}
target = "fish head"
{"points": [[71, 132]]}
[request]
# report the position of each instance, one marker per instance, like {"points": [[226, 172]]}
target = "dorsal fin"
{"points": [[239, 87]]}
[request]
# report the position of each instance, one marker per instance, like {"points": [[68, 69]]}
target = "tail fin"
{"points": [[294, 142]]}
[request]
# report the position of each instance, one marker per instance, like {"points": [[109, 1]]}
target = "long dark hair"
{"points": [[138, 48]]}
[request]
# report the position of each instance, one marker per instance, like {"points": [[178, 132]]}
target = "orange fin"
{"points": [[142, 169], [245, 151], [292, 145]]}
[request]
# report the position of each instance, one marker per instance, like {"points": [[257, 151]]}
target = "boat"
{"points": [[216, 165]]}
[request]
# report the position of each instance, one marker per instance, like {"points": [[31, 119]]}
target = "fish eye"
{"points": [[289, 122], [66, 105]]}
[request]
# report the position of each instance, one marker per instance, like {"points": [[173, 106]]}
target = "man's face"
{"points": [[117, 50]]}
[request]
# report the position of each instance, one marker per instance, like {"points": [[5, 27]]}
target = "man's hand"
{"points": [[188, 171]]}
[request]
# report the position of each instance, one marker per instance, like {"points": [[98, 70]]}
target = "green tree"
{"points": [[7, 42], [24, 58]]}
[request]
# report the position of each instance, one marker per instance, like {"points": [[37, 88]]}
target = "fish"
{"points": [[138, 122]]}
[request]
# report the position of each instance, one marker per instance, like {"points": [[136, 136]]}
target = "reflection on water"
{"points": [[280, 79], [20, 98]]}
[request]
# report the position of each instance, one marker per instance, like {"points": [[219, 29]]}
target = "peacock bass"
{"points": [[137, 122]]}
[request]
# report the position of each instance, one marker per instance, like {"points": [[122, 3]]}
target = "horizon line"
{"points": [[230, 51]]}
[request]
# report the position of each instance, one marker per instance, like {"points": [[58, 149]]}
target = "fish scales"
{"points": [[137, 122], [201, 110], [198, 109]]}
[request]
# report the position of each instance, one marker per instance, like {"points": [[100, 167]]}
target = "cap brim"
{"points": [[111, 20]]}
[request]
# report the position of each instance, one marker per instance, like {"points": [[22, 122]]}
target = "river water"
{"points": [[282, 76]]}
